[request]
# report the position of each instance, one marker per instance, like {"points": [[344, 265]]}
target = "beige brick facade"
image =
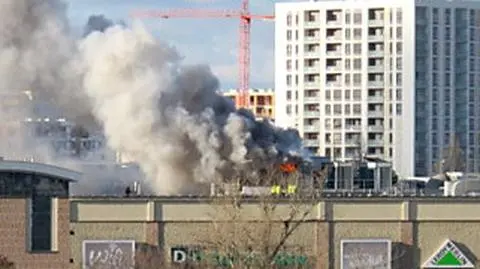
{"points": [[14, 235], [416, 227]]}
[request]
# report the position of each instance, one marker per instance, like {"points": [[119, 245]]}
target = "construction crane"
{"points": [[244, 45]]}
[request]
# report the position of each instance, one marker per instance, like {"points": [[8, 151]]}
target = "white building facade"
{"points": [[392, 79]]}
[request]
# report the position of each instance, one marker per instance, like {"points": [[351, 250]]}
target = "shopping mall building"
{"points": [[42, 228]]}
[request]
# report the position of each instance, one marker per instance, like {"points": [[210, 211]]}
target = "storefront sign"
{"points": [[197, 255], [366, 253], [108, 254], [448, 256]]}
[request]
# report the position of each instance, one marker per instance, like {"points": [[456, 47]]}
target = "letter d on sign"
{"points": [[179, 255]]}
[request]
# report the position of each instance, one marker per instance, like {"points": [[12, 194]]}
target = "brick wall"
{"points": [[13, 232]]}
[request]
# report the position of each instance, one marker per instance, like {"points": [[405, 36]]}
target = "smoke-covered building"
{"points": [[34, 213]]}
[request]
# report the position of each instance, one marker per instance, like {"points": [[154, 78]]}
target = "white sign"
{"points": [[366, 253], [448, 256], [108, 254]]}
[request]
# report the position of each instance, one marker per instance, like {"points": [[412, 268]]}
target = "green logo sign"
{"points": [[448, 256], [281, 260]]}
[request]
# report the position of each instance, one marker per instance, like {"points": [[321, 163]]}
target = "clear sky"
{"points": [[212, 41]]}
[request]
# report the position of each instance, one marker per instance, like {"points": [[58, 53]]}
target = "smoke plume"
{"points": [[163, 115], [98, 23]]}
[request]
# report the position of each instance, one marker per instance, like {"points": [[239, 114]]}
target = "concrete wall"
{"points": [[14, 236], [417, 227]]}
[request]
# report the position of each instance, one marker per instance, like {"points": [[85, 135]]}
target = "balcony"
{"points": [[311, 54], [334, 84], [353, 128], [312, 24], [311, 114], [375, 99], [352, 142], [334, 53], [334, 68], [312, 39], [376, 22], [311, 69], [376, 128], [375, 142], [376, 84], [335, 22], [336, 38], [312, 128], [376, 38], [421, 83], [311, 84], [310, 142], [376, 68], [311, 99], [376, 114], [376, 53]]}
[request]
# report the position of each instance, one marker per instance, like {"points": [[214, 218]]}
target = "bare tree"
{"points": [[256, 230], [5, 263], [149, 257]]}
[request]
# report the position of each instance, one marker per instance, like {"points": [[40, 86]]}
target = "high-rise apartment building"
{"points": [[393, 79], [261, 101]]}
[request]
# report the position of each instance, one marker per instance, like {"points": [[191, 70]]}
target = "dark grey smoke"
{"points": [[99, 23]]}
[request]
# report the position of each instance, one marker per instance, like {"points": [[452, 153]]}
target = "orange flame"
{"points": [[288, 167]]}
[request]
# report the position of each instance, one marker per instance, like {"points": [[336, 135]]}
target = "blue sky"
{"points": [[211, 41]]}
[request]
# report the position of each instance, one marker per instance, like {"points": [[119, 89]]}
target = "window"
{"points": [[347, 49], [399, 63], [347, 79], [337, 95], [357, 64], [399, 16], [289, 35], [289, 50], [337, 109], [357, 95], [357, 48], [357, 33], [357, 79], [348, 18], [357, 17], [435, 32], [399, 33], [328, 109], [357, 109], [348, 34], [289, 19], [448, 16], [347, 64], [347, 94], [399, 109], [41, 223]]}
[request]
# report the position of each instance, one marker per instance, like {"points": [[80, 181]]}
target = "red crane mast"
{"points": [[244, 43]]}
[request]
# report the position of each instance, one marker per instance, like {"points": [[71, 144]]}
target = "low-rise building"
{"points": [[34, 213], [408, 232]]}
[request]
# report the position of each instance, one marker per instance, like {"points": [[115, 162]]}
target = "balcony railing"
{"points": [[311, 114], [311, 128], [311, 99]]}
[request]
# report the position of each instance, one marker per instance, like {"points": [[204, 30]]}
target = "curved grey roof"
{"points": [[40, 168]]}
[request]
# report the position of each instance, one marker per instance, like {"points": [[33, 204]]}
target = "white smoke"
{"points": [[165, 116]]}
